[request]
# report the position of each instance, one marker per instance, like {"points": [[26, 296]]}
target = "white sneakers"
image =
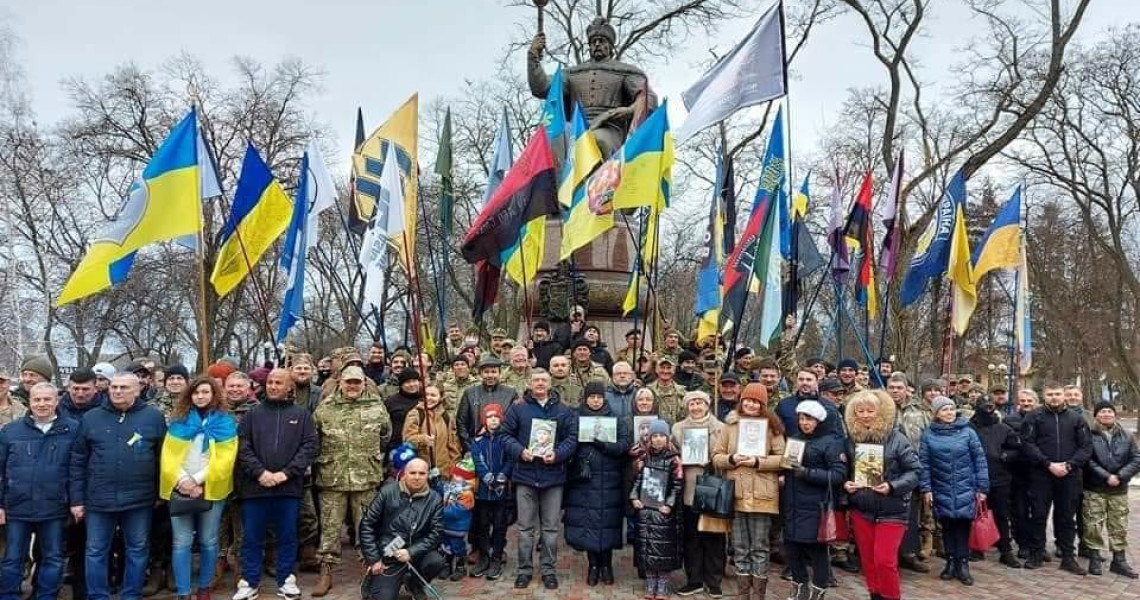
{"points": [[244, 592], [289, 590]]}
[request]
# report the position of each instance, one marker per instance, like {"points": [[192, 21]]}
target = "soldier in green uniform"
{"points": [[633, 349], [569, 393], [456, 381], [670, 395], [583, 369], [498, 334], [354, 429], [518, 376]]}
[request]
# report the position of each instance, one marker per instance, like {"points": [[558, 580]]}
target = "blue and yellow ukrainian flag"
{"points": [[961, 272], [164, 204], [220, 440], [647, 164], [1001, 245], [586, 196], [261, 213]]}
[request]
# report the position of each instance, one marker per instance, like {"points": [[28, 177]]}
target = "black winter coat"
{"points": [[659, 534], [114, 459], [805, 490], [416, 518], [544, 351], [1001, 444], [1114, 452], [34, 469], [1050, 436], [595, 507], [901, 470], [399, 405], [1016, 422], [469, 414], [277, 437]]}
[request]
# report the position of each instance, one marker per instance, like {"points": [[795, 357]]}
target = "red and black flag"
{"points": [[860, 229], [748, 260], [528, 191]]}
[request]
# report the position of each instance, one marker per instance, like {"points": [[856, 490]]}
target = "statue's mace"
{"points": [[541, 4]]}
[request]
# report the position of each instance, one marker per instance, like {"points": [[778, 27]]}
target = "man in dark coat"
{"points": [[541, 435], [469, 414], [113, 482], [1056, 442], [402, 527], [34, 456], [1002, 446]]}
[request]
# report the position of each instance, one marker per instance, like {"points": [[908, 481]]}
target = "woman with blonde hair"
{"points": [[888, 473], [757, 484], [196, 474]]}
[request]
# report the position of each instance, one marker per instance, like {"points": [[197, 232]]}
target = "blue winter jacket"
{"points": [[114, 460], [67, 407], [34, 469], [538, 473], [489, 452], [954, 468]]}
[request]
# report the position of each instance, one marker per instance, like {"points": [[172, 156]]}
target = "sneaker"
{"points": [[713, 591], [289, 589], [522, 582], [245, 591], [495, 571], [689, 589], [550, 582]]}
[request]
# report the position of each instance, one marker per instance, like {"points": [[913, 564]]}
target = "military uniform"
{"points": [[350, 466], [519, 381], [580, 375], [569, 392], [630, 355], [163, 402], [670, 400], [453, 389]]}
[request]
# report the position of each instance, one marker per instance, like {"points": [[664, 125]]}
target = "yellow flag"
{"points": [[961, 275], [401, 132]]}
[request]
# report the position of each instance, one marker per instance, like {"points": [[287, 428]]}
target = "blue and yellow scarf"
{"points": [[220, 442]]}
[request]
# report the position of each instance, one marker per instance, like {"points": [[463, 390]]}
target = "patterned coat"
{"points": [[353, 437]]}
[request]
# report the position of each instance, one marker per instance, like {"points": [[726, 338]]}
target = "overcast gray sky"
{"points": [[377, 53]]}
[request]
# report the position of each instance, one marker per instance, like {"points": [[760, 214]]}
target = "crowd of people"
{"points": [[121, 476]]}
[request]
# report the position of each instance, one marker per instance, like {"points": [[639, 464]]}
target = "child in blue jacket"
{"points": [[492, 501]]}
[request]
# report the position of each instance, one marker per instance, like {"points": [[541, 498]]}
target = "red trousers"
{"points": [[878, 545]]}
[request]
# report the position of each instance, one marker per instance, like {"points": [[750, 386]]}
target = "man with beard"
{"points": [[411, 393], [542, 346], [686, 373], [569, 392], [301, 370], [34, 369], [769, 374], [469, 415], [459, 381], [375, 368]]}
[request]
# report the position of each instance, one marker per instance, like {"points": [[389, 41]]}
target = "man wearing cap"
{"points": [[728, 395], [583, 369], [674, 343], [409, 393], [686, 372], [145, 375], [34, 369], [177, 377], [354, 430], [1114, 462], [456, 382], [113, 483], [539, 478], [542, 346], [518, 375], [598, 351], [914, 416], [9, 410], [960, 394], [886, 367], [620, 391], [301, 370], [633, 349], [104, 371], [159, 571], [498, 334], [1001, 445], [999, 393], [670, 395], [569, 392], [471, 403], [742, 363]]}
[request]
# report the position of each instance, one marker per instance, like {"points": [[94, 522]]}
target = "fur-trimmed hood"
{"points": [[884, 420]]}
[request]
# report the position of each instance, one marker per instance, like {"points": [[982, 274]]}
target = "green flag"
{"points": [[443, 165]]}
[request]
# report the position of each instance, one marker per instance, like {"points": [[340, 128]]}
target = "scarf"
{"points": [[211, 428]]}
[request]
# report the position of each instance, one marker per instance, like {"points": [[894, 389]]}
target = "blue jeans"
{"points": [[256, 516], [135, 524], [49, 570], [183, 528]]}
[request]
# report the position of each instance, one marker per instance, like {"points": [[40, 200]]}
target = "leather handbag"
{"points": [[182, 505], [714, 495]]}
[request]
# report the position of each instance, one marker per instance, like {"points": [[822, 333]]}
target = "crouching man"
{"points": [[409, 510]]}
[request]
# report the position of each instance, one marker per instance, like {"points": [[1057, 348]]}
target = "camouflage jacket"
{"points": [[670, 401], [353, 437], [569, 393], [581, 376], [164, 403], [453, 390], [629, 355], [913, 419], [516, 380]]}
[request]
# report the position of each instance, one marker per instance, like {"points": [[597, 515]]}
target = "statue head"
{"points": [[602, 39]]}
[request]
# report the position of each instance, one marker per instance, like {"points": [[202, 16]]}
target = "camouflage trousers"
{"points": [[1108, 512], [335, 504], [308, 534]]}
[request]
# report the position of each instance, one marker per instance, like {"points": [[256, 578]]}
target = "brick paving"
{"points": [[993, 581]]}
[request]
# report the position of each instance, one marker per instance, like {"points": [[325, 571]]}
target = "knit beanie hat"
{"points": [[402, 455], [489, 411], [754, 391], [1102, 405], [39, 364], [220, 370], [178, 371], [260, 375], [848, 363], [696, 395], [407, 375], [595, 387], [464, 469], [659, 427], [812, 409], [939, 403]]}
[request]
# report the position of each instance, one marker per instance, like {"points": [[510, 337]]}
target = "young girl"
{"points": [[644, 405], [654, 496]]}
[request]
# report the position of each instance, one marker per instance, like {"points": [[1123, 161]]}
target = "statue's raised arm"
{"points": [[606, 88]]}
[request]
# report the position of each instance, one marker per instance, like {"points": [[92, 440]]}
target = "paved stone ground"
{"points": [[993, 582]]}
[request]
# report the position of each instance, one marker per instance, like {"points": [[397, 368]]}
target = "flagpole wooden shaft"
{"points": [[203, 323], [948, 347], [258, 294], [413, 283], [360, 272]]}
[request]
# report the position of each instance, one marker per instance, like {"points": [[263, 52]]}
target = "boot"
{"points": [[815, 593], [1120, 565], [964, 571], [1035, 560], [324, 581], [309, 562], [1069, 563], [744, 587], [911, 563], [459, 571], [482, 567], [1095, 563], [950, 571], [759, 588], [1008, 559], [495, 571], [607, 574], [155, 578], [592, 576], [799, 591]]}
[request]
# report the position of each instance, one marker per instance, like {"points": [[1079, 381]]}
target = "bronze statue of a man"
{"points": [[607, 88]]}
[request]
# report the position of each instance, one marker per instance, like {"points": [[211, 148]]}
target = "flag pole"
{"points": [[948, 346], [258, 293], [348, 289], [434, 273], [525, 290], [204, 326]]}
